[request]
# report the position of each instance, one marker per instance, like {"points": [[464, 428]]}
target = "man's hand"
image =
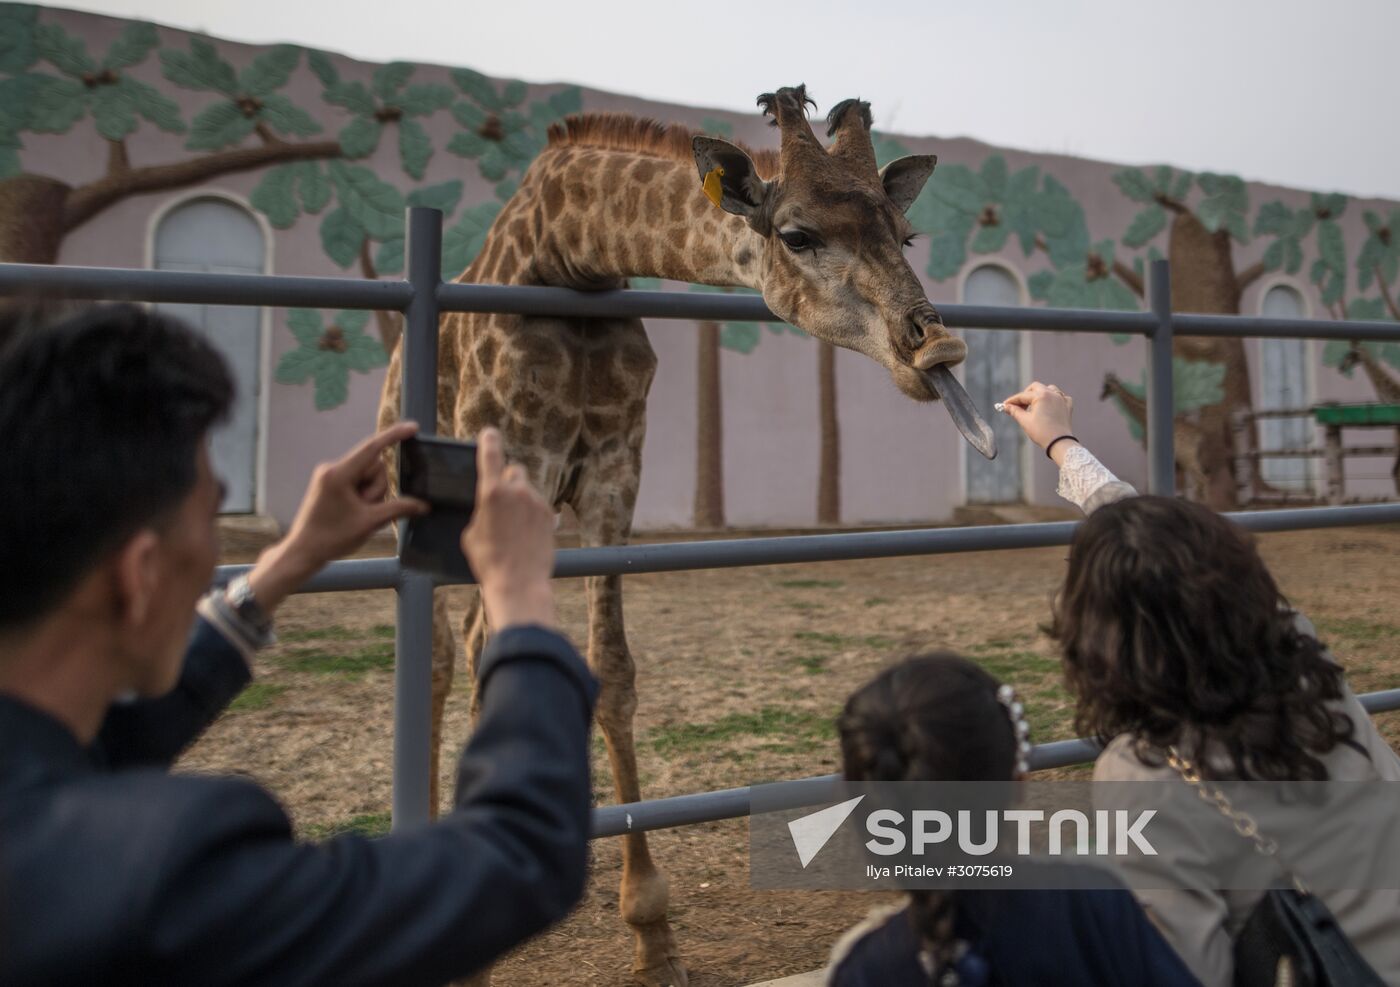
{"points": [[510, 541], [1043, 411], [342, 507]]}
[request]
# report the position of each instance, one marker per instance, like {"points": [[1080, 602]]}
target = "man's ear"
{"points": [[729, 177], [137, 577], [904, 178]]}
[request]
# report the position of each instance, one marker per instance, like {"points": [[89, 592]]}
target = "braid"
{"points": [[931, 718], [933, 915]]}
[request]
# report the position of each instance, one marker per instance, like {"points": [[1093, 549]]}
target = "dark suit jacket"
{"points": [[112, 870]]}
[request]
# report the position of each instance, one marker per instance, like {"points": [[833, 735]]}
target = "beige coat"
{"points": [[1200, 922]]}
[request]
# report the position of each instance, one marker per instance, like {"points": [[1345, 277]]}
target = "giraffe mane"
{"points": [[643, 135]]}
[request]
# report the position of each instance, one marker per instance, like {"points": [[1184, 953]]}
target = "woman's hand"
{"points": [[343, 506], [1043, 411]]}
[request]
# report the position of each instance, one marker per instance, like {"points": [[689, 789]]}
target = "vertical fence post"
{"points": [[1161, 401], [413, 668]]}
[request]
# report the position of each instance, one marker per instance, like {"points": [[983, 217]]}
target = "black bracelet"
{"points": [[1051, 444]]}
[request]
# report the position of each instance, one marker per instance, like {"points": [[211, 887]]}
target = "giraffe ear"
{"points": [[904, 178], [729, 177]]}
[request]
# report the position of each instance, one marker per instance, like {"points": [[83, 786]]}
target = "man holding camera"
{"points": [[112, 870]]}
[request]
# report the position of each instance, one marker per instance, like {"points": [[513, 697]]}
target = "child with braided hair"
{"points": [[940, 717]]}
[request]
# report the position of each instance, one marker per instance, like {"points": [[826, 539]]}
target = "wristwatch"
{"points": [[244, 607]]}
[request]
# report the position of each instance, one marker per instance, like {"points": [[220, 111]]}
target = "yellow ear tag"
{"points": [[712, 187]]}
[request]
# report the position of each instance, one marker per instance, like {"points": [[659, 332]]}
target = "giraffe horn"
{"points": [[849, 122], [788, 109]]}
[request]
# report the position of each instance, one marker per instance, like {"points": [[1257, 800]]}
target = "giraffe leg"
{"points": [[645, 893], [444, 657], [605, 518], [474, 632]]}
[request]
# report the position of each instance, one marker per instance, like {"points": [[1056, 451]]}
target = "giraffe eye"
{"points": [[797, 240]]}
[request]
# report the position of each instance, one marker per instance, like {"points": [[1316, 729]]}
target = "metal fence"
{"points": [[422, 297]]}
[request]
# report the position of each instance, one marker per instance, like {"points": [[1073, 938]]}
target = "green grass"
{"points": [[1353, 630], [811, 584], [845, 641], [875, 601], [377, 657], [784, 724], [813, 664], [256, 695], [801, 605], [332, 633], [367, 824], [382, 631]]}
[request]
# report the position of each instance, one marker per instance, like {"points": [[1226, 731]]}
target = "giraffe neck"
{"points": [[1134, 405], [1387, 387], [604, 215]]}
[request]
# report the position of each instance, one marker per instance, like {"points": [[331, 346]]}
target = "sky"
{"points": [[1295, 92]]}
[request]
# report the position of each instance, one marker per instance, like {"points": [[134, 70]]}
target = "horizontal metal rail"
{"points": [[734, 803], [195, 287], [618, 560], [116, 283]]}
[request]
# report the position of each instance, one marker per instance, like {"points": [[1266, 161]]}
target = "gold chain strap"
{"points": [[1244, 823]]}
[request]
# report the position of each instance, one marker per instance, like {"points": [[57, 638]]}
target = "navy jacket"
{"points": [[1069, 938], [112, 870]]}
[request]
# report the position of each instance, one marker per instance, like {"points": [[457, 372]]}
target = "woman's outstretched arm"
{"points": [[1044, 412]]}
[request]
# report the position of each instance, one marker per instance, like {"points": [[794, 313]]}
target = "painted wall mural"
{"points": [[1197, 221], [51, 84], [105, 124]]}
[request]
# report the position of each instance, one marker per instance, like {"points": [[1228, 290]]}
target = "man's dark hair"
{"points": [[101, 417], [1174, 632]]}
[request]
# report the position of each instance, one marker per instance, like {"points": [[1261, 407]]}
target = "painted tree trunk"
{"points": [[1204, 280], [709, 431], [829, 474], [32, 219]]}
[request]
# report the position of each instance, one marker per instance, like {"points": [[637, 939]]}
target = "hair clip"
{"points": [[1020, 729]]}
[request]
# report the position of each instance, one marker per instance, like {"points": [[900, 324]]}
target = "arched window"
{"points": [[215, 235], [992, 371], [1283, 383]]}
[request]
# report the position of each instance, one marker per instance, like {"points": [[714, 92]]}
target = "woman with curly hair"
{"points": [[940, 717], [1179, 646]]}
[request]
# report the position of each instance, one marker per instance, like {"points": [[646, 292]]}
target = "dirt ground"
{"points": [[740, 672]]}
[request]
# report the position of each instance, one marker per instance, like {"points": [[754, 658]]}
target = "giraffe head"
{"points": [[833, 234], [1351, 359]]}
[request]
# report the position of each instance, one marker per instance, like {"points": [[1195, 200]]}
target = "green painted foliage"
{"points": [[44, 103], [250, 96], [389, 97], [17, 24], [990, 206], [1195, 385], [462, 241], [326, 353], [1224, 205], [500, 134], [1380, 252]]}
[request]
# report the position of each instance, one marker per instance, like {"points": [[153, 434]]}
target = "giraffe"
{"points": [[1186, 435], [1387, 387], [818, 230]]}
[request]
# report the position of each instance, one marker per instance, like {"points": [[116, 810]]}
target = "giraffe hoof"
{"points": [[670, 972]]}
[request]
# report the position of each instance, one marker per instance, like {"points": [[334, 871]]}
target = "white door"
{"points": [[992, 372], [1283, 383], [214, 235]]}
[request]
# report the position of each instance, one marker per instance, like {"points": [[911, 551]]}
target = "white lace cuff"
{"points": [[1082, 476]]}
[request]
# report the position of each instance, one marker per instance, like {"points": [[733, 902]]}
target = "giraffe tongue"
{"points": [[964, 413]]}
